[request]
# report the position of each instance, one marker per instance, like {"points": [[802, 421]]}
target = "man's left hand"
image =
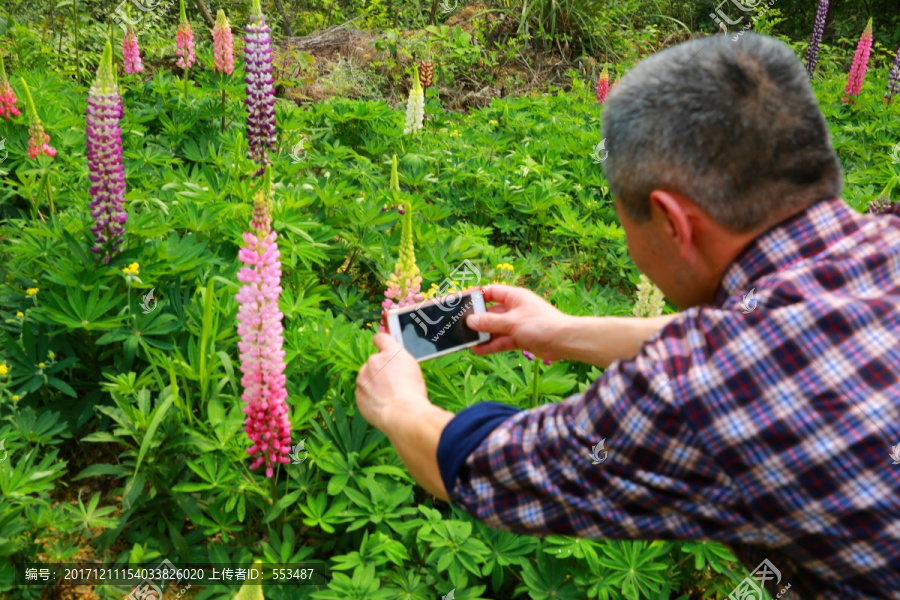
{"points": [[390, 380]]}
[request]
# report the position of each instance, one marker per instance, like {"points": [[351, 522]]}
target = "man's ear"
{"points": [[675, 212]]}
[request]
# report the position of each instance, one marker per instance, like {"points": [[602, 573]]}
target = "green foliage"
{"points": [[124, 426]]}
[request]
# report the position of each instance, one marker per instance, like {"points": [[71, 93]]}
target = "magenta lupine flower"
{"points": [[223, 44], [261, 344], [184, 41], [603, 85], [104, 154], [860, 64], [39, 142], [7, 95], [893, 86], [812, 53], [260, 88], [131, 53]]}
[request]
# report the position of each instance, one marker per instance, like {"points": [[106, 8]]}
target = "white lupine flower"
{"points": [[415, 107], [650, 300]]}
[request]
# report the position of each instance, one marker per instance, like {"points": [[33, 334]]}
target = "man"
{"points": [[761, 416]]}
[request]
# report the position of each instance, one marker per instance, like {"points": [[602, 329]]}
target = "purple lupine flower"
{"points": [[812, 53], [104, 153], [260, 88], [879, 205], [261, 344], [893, 86]]}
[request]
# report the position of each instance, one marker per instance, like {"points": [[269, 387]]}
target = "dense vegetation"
{"points": [[124, 428]]}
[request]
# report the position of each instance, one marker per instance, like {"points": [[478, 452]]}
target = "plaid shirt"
{"points": [[766, 426]]}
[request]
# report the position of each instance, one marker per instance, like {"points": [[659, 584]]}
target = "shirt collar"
{"points": [[801, 236]]}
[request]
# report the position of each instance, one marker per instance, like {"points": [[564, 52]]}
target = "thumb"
{"points": [[499, 323], [384, 341]]}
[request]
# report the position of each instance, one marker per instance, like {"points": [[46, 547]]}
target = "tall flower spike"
{"points": [[860, 64], [223, 44], [603, 85], [39, 142], [415, 107], [893, 86], [812, 53], [184, 41], [7, 95], [260, 88], [104, 154], [650, 300], [261, 340], [404, 285], [131, 53]]}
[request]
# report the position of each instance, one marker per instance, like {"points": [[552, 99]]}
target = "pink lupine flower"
{"points": [[39, 142], [404, 285], [261, 344], [223, 44], [860, 63], [184, 42], [7, 95], [131, 53], [603, 85]]}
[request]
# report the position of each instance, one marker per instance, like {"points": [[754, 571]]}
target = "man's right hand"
{"points": [[520, 320]]}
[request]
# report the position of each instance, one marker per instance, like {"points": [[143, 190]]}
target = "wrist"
{"points": [[398, 412]]}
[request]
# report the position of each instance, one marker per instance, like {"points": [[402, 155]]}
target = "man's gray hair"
{"points": [[734, 126]]}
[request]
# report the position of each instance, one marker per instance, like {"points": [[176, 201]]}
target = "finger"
{"points": [[497, 308], [384, 341], [497, 292], [499, 323], [500, 344]]}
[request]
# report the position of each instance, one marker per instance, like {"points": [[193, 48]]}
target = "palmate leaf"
{"points": [[548, 579], [634, 566], [80, 310]]}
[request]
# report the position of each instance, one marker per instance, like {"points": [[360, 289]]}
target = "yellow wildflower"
{"points": [[4, 369], [15, 397], [32, 291], [52, 355], [20, 314], [41, 365], [493, 121]]}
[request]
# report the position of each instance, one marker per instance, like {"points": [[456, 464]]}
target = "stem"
{"points": [[223, 107], [50, 194], [535, 374], [77, 53], [186, 72], [274, 493]]}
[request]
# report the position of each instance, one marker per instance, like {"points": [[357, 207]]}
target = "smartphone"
{"points": [[437, 326]]}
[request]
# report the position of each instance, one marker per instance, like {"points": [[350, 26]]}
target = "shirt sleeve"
{"points": [[545, 472]]}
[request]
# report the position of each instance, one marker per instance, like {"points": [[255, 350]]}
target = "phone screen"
{"points": [[434, 328]]}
